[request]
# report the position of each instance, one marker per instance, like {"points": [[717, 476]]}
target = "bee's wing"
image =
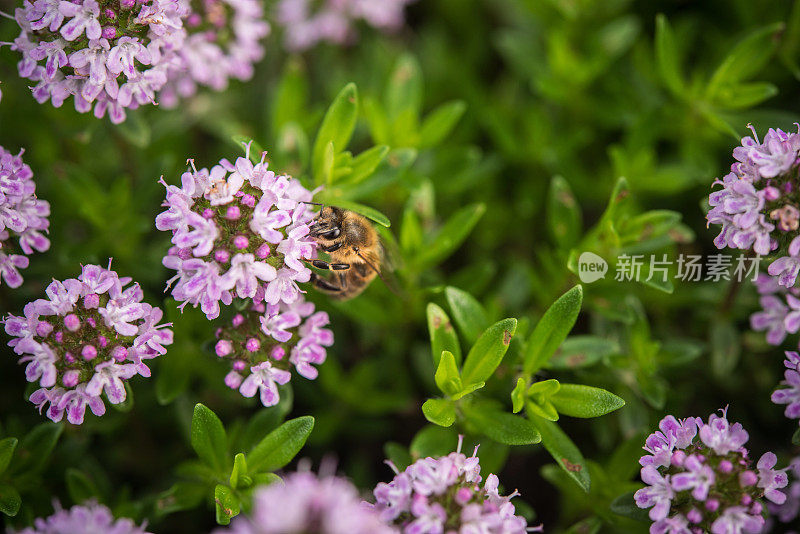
{"points": [[391, 259]]}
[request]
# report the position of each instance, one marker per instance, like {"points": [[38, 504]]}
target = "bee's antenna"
{"points": [[312, 203]]}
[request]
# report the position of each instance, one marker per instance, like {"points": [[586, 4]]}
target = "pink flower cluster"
{"points": [[23, 217], [223, 42], [264, 345], [88, 517], [238, 230], [306, 25], [790, 393], [113, 55], [787, 513], [305, 503], [444, 494], [87, 337], [780, 309], [758, 206], [706, 484]]}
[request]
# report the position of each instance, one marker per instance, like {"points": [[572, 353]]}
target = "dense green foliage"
{"points": [[494, 140]]}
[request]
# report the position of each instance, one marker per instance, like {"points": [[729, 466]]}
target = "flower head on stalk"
{"points": [[23, 218], [306, 24], [89, 336], [228, 224], [303, 503], [270, 341], [758, 207], [87, 517], [445, 495], [699, 479]]}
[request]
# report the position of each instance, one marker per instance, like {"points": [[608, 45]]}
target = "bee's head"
{"points": [[327, 224]]}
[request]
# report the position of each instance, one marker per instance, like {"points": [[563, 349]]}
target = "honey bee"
{"points": [[355, 251]]}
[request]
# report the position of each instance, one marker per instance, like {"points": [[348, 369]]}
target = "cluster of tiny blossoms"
{"points": [[780, 309], [787, 513], [237, 230], [223, 42], [706, 484], [444, 495], [110, 55], [758, 206], [333, 20], [790, 394], [22, 217], [88, 517], [88, 336], [307, 503], [266, 343]]}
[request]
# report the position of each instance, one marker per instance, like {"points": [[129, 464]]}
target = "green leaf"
{"points": [[450, 236], [796, 437], [281, 445], [440, 122], [7, 447], [519, 395], [625, 505], [467, 312], [79, 486], [289, 103], [582, 351], [447, 377], [10, 501], [398, 454], [439, 411], [563, 214], [667, 58], [35, 448], [487, 353], [227, 504], [181, 496], [563, 451], [443, 335], [552, 329], [239, 470], [209, 440], [433, 441], [726, 347], [500, 426], [747, 58], [337, 128], [577, 400], [368, 212], [365, 164], [404, 91], [466, 390], [744, 95]]}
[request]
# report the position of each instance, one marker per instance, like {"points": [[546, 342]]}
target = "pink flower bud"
{"points": [[248, 200], [223, 348], [240, 242], [725, 466], [89, 352], [72, 323], [43, 329], [222, 255], [233, 380], [712, 505], [263, 251], [238, 319], [110, 13], [91, 322], [208, 213], [59, 336], [69, 358], [747, 478], [678, 457], [277, 353], [109, 32], [91, 301], [233, 213], [694, 515], [119, 353], [771, 193], [127, 4], [239, 365], [70, 379], [102, 341], [463, 496], [746, 499], [253, 344]]}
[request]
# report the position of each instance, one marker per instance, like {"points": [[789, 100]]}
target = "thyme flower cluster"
{"points": [[758, 206], [89, 336], [88, 517], [445, 495], [706, 484], [306, 25], [23, 218], [264, 346], [238, 230]]}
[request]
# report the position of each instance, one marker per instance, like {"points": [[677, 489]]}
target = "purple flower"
{"points": [[708, 485], [305, 503], [88, 337], [87, 517], [785, 268], [107, 57], [333, 20], [23, 217], [434, 492], [263, 377], [260, 257], [790, 395]]}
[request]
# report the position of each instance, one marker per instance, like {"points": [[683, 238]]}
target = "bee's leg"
{"points": [[319, 264], [324, 285], [335, 246], [342, 280]]}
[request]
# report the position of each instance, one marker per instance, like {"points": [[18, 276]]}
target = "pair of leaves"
{"points": [[25, 458], [548, 398], [551, 330], [244, 471]]}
